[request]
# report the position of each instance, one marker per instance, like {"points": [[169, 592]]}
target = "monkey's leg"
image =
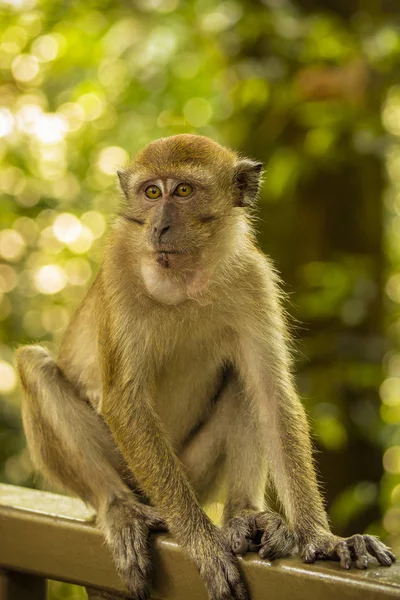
{"points": [[272, 394], [203, 455], [70, 445], [223, 451], [250, 523], [129, 412]]}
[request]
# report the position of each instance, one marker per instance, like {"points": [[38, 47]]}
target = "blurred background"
{"points": [[311, 89]]}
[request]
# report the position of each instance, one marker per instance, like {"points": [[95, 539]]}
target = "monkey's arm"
{"points": [[265, 366], [128, 411]]}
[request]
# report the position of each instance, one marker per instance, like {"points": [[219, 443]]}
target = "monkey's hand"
{"points": [[263, 532], [152, 519], [326, 546], [218, 569]]}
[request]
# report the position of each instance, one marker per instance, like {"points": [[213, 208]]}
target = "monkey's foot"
{"points": [[219, 570], [263, 532], [127, 535], [327, 546]]}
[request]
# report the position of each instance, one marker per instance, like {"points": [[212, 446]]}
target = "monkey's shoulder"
{"points": [[256, 280]]}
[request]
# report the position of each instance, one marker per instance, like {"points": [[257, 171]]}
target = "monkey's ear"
{"points": [[247, 181], [124, 177]]}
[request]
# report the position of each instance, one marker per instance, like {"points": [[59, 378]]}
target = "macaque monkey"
{"points": [[173, 382]]}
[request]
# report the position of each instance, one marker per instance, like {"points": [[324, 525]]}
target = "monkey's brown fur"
{"points": [[173, 382]]}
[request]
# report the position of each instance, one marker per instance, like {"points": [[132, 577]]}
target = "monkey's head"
{"points": [[183, 197]]}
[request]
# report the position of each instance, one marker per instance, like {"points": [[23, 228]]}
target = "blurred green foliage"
{"points": [[307, 87]]}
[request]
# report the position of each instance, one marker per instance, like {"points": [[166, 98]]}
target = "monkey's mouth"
{"points": [[166, 257], [170, 251]]}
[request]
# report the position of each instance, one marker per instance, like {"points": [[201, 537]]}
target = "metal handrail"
{"points": [[45, 535]]}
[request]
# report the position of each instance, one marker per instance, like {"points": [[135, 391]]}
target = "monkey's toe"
{"points": [[240, 544], [347, 550], [225, 583], [239, 534], [265, 532], [131, 555], [128, 539]]}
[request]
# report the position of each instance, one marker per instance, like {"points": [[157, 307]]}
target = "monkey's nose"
{"points": [[160, 231]]}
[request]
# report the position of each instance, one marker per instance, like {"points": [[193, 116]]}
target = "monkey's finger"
{"points": [[381, 552], [240, 544], [265, 552], [237, 589], [359, 550], [253, 547], [239, 534], [157, 526], [269, 552], [265, 537], [309, 554], [240, 592], [132, 557], [253, 526], [343, 552]]}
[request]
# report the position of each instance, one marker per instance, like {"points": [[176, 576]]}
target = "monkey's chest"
{"points": [[185, 390]]}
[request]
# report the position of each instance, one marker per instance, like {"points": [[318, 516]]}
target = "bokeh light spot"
{"points": [[12, 245], [393, 287], [8, 378], [78, 271], [223, 17], [20, 4], [83, 242], [391, 520], [55, 318], [27, 117], [48, 242], [50, 128], [8, 279], [28, 229], [45, 47], [6, 122], [92, 106], [74, 115], [50, 279], [390, 391], [95, 221], [111, 158], [197, 111], [25, 67], [67, 228], [391, 460]]}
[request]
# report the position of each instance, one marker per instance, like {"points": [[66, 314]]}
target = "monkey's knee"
{"points": [[34, 364]]}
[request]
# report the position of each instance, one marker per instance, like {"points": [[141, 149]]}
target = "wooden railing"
{"points": [[48, 536]]}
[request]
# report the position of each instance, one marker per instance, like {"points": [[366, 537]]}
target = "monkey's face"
{"points": [[180, 216], [183, 193]]}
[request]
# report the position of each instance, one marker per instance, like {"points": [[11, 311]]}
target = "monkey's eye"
{"points": [[183, 190], [152, 192]]}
